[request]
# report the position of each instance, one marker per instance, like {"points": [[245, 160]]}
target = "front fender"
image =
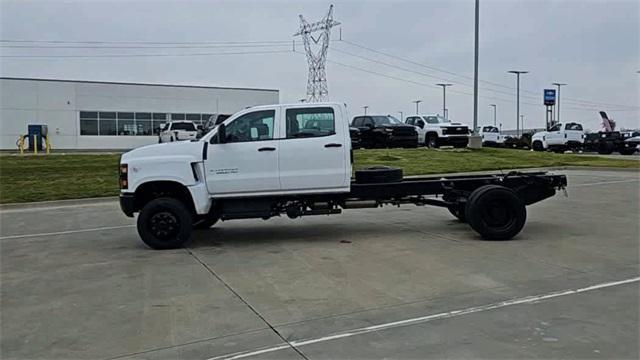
{"points": [[166, 168]]}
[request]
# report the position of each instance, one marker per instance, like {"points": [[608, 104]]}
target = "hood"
{"points": [[633, 139], [171, 149], [454, 124]]}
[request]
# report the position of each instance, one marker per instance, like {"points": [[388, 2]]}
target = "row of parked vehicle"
{"points": [[383, 131]]}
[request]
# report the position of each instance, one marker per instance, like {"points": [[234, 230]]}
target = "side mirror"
{"points": [[370, 126], [221, 134]]}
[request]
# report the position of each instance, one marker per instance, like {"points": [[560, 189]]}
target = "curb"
{"points": [[67, 202]]}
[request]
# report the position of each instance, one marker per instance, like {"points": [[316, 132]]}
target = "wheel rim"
{"points": [[432, 142], [164, 225], [498, 215]]}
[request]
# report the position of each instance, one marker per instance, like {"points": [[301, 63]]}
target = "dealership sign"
{"points": [[549, 97]]}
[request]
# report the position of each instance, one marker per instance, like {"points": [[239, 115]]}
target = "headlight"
{"points": [[388, 130], [124, 176]]}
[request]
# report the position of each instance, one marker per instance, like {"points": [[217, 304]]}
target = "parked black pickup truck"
{"points": [[384, 131]]}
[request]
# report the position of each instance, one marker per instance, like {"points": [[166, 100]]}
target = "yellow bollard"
{"points": [[35, 145]]}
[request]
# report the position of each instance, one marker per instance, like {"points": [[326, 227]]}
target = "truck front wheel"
{"points": [[496, 212], [432, 141], [165, 223]]}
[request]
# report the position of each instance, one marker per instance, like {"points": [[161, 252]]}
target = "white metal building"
{"points": [[109, 115]]}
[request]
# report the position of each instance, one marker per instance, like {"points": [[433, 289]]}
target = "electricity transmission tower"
{"points": [[317, 82]]}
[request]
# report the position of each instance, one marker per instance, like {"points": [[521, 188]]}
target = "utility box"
{"points": [[36, 136]]}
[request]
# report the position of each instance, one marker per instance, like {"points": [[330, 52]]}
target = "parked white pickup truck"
{"points": [[178, 131], [435, 131], [491, 136], [559, 137], [296, 160]]}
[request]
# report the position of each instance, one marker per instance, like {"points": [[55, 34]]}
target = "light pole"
{"points": [[417, 102], [475, 68], [365, 109], [522, 122], [444, 99], [401, 116], [558, 101], [494, 113], [518, 98]]}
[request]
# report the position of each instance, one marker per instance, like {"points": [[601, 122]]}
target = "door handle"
{"points": [[267, 149], [333, 145]]}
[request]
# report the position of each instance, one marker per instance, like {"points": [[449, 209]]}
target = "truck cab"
{"points": [[560, 137], [435, 131]]}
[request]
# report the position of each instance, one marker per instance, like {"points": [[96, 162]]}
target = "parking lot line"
{"points": [[424, 319], [65, 232], [606, 182]]}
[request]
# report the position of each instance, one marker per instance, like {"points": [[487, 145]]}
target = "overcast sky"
{"points": [[591, 45]]}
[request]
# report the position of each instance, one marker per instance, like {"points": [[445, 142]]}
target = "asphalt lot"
{"points": [[407, 282]]}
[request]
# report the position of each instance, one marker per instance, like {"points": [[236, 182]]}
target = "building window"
{"points": [[131, 123]]}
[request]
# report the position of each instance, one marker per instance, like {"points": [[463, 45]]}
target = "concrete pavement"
{"points": [[78, 283]]}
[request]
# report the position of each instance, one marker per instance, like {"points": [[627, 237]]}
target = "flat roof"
{"points": [[132, 83]]}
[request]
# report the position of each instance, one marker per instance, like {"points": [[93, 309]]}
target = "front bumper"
{"points": [[127, 204]]}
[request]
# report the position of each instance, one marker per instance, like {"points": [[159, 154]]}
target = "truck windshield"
{"points": [[183, 126]]}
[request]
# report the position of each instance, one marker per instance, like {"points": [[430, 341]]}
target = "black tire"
{"points": [[496, 212], [459, 212], [432, 141], [630, 151], [165, 223], [378, 174], [537, 146], [605, 148], [206, 223]]}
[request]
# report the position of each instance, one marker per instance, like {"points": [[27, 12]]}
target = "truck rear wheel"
{"points": [[605, 148], [495, 212], [164, 223]]}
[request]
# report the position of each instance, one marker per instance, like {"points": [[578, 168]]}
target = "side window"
{"points": [[166, 127], [310, 122], [431, 120], [556, 127], [420, 123], [357, 122], [254, 126], [411, 121], [574, 126]]}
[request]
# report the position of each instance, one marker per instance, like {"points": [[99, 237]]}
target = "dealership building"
{"points": [[93, 115]]}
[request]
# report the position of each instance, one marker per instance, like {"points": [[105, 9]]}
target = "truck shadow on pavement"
{"points": [[283, 233]]}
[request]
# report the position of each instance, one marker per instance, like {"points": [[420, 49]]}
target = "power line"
{"points": [[144, 42], [144, 55], [140, 47], [567, 99]]}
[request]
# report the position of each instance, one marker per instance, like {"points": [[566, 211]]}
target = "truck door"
{"points": [[314, 154], [248, 161], [574, 132], [555, 136]]}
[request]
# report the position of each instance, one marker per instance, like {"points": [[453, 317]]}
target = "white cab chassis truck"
{"points": [[297, 160], [560, 137]]}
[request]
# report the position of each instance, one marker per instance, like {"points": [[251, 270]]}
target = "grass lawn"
{"points": [[56, 177]]}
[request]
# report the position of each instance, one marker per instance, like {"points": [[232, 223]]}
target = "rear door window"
{"points": [[310, 122]]}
